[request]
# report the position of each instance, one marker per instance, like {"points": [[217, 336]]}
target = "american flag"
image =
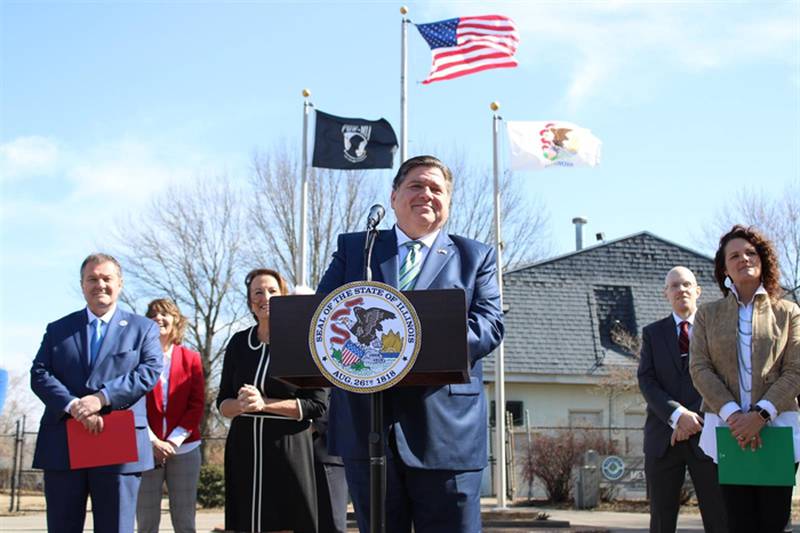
{"points": [[351, 353], [464, 45]]}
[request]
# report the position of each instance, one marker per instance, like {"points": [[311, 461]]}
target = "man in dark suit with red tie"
{"points": [[91, 362], [672, 429]]}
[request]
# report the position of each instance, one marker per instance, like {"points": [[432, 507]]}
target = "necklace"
{"points": [[742, 364]]}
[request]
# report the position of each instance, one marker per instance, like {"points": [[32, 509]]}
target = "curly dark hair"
{"points": [[770, 272]]}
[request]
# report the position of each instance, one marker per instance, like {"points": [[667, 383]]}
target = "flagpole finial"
{"points": [[306, 93], [494, 106], [403, 10]]}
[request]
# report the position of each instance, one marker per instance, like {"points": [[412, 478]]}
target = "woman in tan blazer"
{"points": [[745, 362]]}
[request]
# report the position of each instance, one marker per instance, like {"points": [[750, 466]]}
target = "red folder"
{"points": [[115, 445]]}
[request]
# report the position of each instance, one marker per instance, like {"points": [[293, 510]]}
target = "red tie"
{"points": [[683, 338]]}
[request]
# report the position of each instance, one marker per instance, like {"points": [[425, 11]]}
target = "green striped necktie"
{"points": [[412, 264]]}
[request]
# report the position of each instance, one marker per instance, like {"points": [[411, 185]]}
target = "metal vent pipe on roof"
{"points": [[579, 223]]}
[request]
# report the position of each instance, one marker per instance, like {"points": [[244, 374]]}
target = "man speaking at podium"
{"points": [[436, 436]]}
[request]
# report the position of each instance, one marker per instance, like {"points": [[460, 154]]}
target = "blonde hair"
{"points": [[168, 307]]}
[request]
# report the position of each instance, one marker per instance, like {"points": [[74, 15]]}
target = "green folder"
{"points": [[770, 465]]}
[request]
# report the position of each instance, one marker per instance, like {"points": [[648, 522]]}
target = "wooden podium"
{"points": [[442, 359]]}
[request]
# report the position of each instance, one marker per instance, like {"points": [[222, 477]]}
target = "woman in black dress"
{"points": [[269, 465]]}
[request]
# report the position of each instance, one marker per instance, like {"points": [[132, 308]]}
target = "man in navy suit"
{"points": [[673, 425], [436, 436], [91, 362]]}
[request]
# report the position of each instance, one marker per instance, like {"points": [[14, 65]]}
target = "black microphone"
{"points": [[376, 213]]}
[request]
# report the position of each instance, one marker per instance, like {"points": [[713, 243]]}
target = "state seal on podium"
{"points": [[365, 336]]}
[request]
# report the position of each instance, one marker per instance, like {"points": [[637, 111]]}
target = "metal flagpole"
{"points": [[404, 84], [499, 372], [301, 279]]}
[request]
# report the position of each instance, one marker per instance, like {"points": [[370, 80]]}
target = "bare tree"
{"points": [[337, 203], [523, 222], [629, 342], [618, 380], [777, 214], [20, 401], [188, 246]]}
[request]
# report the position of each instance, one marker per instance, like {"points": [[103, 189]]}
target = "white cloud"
{"points": [[623, 48], [93, 185], [86, 191], [129, 171], [77, 199], [27, 156]]}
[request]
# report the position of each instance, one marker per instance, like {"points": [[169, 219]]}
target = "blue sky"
{"points": [[103, 104]]}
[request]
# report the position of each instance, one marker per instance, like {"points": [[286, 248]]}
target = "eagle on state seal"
{"points": [[368, 323]]}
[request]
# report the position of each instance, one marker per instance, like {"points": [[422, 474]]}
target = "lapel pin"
{"points": [[123, 323], [441, 251]]}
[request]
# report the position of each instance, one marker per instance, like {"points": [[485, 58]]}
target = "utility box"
{"points": [[587, 488]]}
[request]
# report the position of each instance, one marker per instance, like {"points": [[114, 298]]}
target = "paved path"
{"points": [[583, 521], [615, 521]]}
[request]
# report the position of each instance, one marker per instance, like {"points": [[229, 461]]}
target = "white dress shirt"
{"points": [[403, 251], [676, 414], [104, 321]]}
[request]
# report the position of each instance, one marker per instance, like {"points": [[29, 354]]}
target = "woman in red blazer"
{"points": [[174, 410]]}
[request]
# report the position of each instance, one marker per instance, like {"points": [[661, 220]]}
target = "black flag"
{"points": [[353, 143]]}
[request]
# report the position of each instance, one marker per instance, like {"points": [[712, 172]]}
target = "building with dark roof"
{"points": [[572, 323]]}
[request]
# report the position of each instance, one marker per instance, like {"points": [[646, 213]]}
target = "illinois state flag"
{"points": [[353, 143], [538, 145], [465, 45]]}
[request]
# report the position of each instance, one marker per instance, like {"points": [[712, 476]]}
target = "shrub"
{"points": [[552, 457], [211, 487]]}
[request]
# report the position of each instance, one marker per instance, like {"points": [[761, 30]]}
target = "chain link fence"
{"points": [[622, 479], [18, 478], [24, 487]]}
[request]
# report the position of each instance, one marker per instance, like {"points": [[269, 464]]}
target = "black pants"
{"points": [[665, 476], [754, 509], [331, 498]]}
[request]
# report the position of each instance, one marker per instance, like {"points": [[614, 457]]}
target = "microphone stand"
{"points": [[377, 440], [372, 234]]}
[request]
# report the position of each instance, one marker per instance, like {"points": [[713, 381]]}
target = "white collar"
{"points": [[678, 319], [426, 240], [106, 318], [759, 290]]}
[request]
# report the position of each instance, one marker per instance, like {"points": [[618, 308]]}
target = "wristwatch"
{"points": [[763, 413]]}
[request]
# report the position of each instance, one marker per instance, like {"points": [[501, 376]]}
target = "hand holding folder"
{"points": [[770, 465], [116, 444]]}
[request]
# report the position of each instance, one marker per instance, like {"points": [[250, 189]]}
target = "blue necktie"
{"points": [[96, 340]]}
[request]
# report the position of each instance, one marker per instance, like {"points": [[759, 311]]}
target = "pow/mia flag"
{"points": [[353, 143]]}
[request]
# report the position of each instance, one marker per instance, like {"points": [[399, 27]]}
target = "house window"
{"points": [[513, 407], [615, 312], [585, 418]]}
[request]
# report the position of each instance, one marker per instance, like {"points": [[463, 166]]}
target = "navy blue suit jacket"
{"points": [[127, 367], [435, 427], [665, 385]]}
